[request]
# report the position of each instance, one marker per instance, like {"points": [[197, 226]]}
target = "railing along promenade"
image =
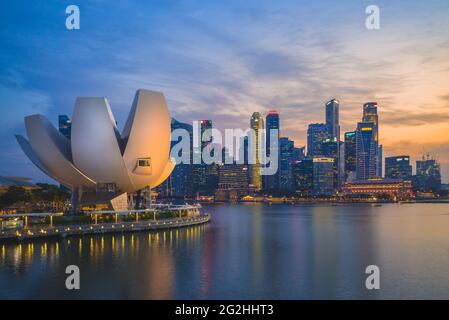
{"points": [[137, 224]]}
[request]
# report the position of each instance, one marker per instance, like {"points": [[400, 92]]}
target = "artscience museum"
{"points": [[102, 166]]}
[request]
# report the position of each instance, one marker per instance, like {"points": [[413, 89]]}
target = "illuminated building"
{"points": [[323, 176], [397, 189], [366, 151], [316, 133], [271, 182], [257, 125], [330, 149], [398, 168], [367, 143], [428, 175], [285, 164], [203, 174], [332, 118], [64, 125], [302, 171], [99, 163], [179, 183], [350, 155], [379, 161], [233, 182], [298, 153]]}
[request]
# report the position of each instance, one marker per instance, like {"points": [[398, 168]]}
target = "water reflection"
{"points": [[249, 252]]}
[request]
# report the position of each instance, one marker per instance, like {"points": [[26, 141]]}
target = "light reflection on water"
{"points": [[248, 252]]}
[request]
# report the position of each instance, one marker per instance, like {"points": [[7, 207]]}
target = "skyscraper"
{"points": [[370, 115], [271, 182], [203, 173], [303, 176], [285, 164], [298, 153], [323, 176], [367, 140], [428, 175], [330, 149], [257, 125], [332, 118], [180, 180], [379, 161], [350, 155], [366, 151], [316, 133], [232, 181], [65, 126], [398, 167]]}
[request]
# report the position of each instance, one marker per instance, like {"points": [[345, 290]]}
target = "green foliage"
{"points": [[14, 195], [44, 193]]}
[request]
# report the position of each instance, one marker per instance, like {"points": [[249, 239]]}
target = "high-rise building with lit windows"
{"points": [[204, 176], [285, 164], [316, 133], [367, 143], [323, 176], [302, 171], [257, 125], [398, 167], [332, 118], [366, 151], [65, 125], [350, 155], [271, 182], [428, 175]]}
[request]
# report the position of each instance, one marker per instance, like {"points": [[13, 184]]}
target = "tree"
{"points": [[13, 195]]}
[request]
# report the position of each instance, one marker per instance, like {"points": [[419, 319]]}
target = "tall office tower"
{"points": [[179, 183], [370, 115], [379, 161], [65, 128], [303, 176], [233, 181], [323, 176], [366, 151], [316, 133], [368, 143], [350, 155], [331, 149], [285, 165], [65, 125], [332, 118], [202, 172], [398, 168], [299, 153], [243, 150], [428, 174], [256, 124], [271, 182]]}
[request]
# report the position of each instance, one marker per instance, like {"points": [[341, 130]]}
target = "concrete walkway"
{"points": [[69, 230]]}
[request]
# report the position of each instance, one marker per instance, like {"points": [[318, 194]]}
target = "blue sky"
{"points": [[223, 60]]}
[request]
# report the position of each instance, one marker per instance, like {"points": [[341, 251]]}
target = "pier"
{"points": [[138, 223]]}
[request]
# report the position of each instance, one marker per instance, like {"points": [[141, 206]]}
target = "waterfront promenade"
{"points": [[99, 228]]}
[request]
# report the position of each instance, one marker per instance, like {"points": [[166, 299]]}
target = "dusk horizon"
{"points": [[224, 62]]}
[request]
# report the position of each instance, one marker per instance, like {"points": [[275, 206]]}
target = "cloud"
{"points": [[17, 102], [411, 118]]}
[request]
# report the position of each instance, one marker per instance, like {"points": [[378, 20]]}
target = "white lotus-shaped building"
{"points": [[97, 154]]}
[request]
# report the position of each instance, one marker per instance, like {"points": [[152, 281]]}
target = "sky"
{"points": [[224, 60]]}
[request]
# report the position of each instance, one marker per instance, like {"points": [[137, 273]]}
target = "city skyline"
{"points": [[211, 72]]}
